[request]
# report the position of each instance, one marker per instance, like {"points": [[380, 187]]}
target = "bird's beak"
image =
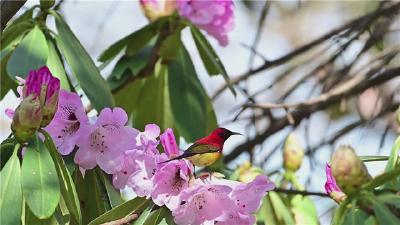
{"points": [[236, 133]]}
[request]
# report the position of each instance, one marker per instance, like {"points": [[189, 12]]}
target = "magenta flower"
{"points": [[42, 84], [169, 143], [215, 17], [69, 123], [331, 188], [106, 141], [169, 180]]}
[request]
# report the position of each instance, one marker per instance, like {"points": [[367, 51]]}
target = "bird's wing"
{"points": [[197, 148]]}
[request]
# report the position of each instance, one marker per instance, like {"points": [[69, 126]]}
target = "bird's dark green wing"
{"points": [[196, 149]]}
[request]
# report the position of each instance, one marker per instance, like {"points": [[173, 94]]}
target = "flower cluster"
{"points": [[216, 17], [134, 161]]}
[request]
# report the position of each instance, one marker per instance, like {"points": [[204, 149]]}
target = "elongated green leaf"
{"points": [[135, 41], [82, 66], [158, 215], [266, 213], [144, 215], [281, 211], [40, 183], [31, 54], [339, 215], [170, 47], [24, 17], [56, 66], [394, 155], [136, 205], [12, 36], [373, 158], [384, 215], [6, 83], [382, 179], [114, 197], [10, 191], [187, 98], [90, 195], [304, 210], [210, 59], [154, 90], [67, 185], [31, 219], [355, 216], [6, 151]]}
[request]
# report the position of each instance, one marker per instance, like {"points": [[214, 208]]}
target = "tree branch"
{"points": [[297, 192]]}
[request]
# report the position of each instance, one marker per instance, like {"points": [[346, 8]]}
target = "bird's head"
{"points": [[223, 133]]}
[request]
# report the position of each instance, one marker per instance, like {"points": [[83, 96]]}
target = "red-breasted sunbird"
{"points": [[207, 150]]}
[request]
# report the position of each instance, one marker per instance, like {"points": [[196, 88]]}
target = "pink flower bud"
{"points": [[154, 9], [41, 84], [248, 173], [27, 119], [349, 171], [331, 187], [293, 153]]}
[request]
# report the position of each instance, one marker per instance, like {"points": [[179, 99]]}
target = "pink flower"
{"points": [[106, 141], [147, 140], [42, 84], [169, 143], [331, 187], [146, 162], [215, 17], [169, 180], [222, 201], [120, 178], [69, 122]]}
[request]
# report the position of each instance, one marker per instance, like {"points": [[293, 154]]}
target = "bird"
{"points": [[207, 150]]}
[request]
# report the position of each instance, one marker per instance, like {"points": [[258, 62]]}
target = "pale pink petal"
{"points": [[169, 143], [10, 113], [116, 116]]}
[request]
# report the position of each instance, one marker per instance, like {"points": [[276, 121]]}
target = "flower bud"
{"points": [[154, 9], [293, 153], [27, 119], [247, 173], [41, 84], [369, 104], [349, 171], [331, 187]]}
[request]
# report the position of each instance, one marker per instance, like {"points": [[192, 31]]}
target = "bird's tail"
{"points": [[176, 158]]}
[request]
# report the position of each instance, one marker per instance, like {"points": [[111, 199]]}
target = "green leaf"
{"points": [[90, 196], [281, 211], [373, 158], [187, 98], [389, 198], [82, 66], [170, 47], [158, 215], [383, 214], [144, 215], [338, 216], [10, 191], [210, 59], [31, 54], [6, 151], [14, 34], [6, 83], [114, 197], [31, 219], [266, 213], [40, 183], [136, 205], [382, 179], [135, 41], [67, 186], [394, 155], [56, 66], [154, 90], [355, 216], [304, 210], [24, 17], [127, 67]]}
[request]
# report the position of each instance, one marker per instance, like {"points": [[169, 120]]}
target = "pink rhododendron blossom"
{"points": [[221, 201], [120, 178], [169, 180], [106, 141], [169, 143], [141, 180], [215, 17], [69, 122], [147, 140]]}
